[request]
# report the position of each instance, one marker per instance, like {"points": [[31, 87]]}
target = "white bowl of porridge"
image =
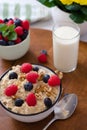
{"points": [[29, 92]]}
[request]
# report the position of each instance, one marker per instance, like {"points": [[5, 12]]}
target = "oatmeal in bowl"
{"points": [[28, 92]]}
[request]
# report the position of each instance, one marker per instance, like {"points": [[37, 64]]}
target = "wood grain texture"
{"points": [[74, 82]]}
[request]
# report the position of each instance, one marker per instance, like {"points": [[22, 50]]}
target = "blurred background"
{"points": [[38, 15]]}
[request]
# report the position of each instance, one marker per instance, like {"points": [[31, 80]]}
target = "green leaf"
{"points": [[73, 7], [11, 27], [42, 1], [8, 31], [86, 17], [48, 3], [12, 36], [5, 33], [3, 27], [77, 17], [60, 5], [84, 10]]}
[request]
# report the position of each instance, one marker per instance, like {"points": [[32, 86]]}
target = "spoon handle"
{"points": [[49, 123]]}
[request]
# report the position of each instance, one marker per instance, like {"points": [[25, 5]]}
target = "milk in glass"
{"points": [[65, 48]]}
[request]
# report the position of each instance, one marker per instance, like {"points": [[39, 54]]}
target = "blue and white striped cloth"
{"points": [[33, 12]]}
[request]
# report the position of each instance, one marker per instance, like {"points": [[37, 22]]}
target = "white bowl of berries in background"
{"points": [[14, 38], [29, 92]]}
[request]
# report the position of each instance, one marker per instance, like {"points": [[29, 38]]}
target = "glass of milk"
{"points": [[65, 46]]}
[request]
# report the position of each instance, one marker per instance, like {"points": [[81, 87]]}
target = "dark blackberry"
{"points": [[28, 86], [17, 22], [3, 43], [13, 75], [0, 33], [6, 20], [10, 19], [10, 43], [19, 102], [24, 35], [48, 102]]}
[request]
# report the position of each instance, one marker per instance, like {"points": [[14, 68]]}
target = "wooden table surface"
{"points": [[74, 82]]}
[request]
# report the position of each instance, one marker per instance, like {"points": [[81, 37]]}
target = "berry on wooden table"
{"points": [[42, 58], [44, 52]]}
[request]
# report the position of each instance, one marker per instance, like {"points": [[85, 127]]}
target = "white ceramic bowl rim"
{"points": [[38, 112]]}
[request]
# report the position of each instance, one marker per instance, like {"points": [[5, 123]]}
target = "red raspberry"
{"points": [[1, 37], [54, 80], [25, 24], [18, 40], [11, 90], [31, 99], [1, 21], [10, 22], [6, 39], [42, 58], [19, 30], [26, 67], [32, 76]]}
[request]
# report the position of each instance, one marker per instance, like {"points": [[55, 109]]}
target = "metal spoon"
{"points": [[64, 108]]}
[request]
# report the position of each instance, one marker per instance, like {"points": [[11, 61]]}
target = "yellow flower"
{"points": [[68, 2], [81, 2]]}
